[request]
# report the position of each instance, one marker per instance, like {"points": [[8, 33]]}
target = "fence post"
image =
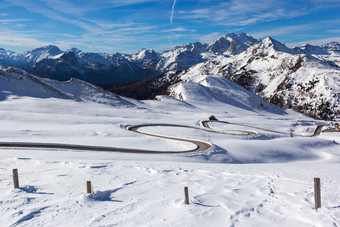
{"points": [[15, 178], [89, 187], [317, 193], [186, 196]]}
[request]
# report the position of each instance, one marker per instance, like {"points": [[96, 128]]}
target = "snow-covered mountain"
{"points": [[304, 78], [51, 62], [280, 75], [332, 46], [232, 44]]}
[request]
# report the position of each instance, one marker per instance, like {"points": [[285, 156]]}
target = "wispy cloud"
{"points": [[243, 12], [74, 7], [210, 37], [172, 11], [333, 31], [20, 40], [14, 20], [284, 30], [315, 42], [178, 29]]}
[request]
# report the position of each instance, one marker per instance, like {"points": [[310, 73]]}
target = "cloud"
{"points": [[178, 29], [315, 42], [333, 31], [82, 7], [244, 12], [14, 20], [19, 40], [172, 11], [210, 37], [284, 30], [68, 45]]}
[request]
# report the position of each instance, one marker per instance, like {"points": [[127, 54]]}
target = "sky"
{"points": [[129, 25]]}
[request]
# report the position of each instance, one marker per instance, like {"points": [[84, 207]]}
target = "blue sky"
{"points": [[130, 25]]}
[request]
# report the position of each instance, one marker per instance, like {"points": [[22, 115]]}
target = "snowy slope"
{"points": [[212, 90]]}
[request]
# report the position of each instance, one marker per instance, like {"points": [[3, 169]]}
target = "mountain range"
{"points": [[305, 78]]}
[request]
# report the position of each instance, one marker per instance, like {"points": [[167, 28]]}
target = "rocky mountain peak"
{"points": [[145, 54], [75, 51], [232, 44], [219, 46], [40, 53], [51, 49], [332, 46], [69, 57], [271, 46]]}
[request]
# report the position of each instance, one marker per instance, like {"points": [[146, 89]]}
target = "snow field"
{"points": [[147, 193]]}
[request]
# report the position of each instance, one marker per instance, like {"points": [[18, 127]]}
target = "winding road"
{"points": [[199, 144], [316, 132]]}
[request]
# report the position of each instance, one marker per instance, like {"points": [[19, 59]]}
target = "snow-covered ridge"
{"points": [[98, 68], [15, 83]]}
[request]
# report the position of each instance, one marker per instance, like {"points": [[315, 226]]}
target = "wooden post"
{"points": [[317, 193], [89, 187], [15, 178], [186, 196]]}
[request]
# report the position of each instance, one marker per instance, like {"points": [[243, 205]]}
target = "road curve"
{"points": [[200, 145], [316, 132]]}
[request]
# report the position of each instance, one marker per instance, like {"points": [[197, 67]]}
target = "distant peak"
{"points": [[239, 35], [333, 46], [74, 50], [48, 47], [271, 43], [232, 43]]}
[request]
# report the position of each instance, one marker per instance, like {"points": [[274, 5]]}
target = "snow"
{"points": [[260, 180]]}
